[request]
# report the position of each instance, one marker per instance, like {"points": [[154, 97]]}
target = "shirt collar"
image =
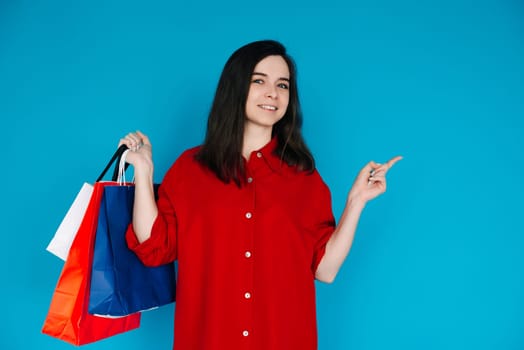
{"points": [[270, 159]]}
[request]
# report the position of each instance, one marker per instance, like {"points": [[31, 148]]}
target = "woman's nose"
{"points": [[271, 92]]}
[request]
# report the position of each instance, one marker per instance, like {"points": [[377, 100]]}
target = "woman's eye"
{"points": [[283, 86], [257, 81]]}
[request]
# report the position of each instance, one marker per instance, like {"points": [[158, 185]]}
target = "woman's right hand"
{"points": [[145, 210], [140, 156]]}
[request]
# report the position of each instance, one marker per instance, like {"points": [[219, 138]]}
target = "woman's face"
{"points": [[268, 95]]}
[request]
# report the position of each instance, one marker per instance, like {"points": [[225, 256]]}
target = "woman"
{"points": [[246, 214]]}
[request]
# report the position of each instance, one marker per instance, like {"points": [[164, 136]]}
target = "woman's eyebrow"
{"points": [[265, 75]]}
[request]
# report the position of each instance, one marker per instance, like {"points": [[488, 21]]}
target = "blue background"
{"points": [[437, 262]]}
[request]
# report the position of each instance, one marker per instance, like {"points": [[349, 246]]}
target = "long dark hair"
{"points": [[222, 148]]}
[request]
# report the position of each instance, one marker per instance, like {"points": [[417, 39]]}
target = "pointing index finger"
{"points": [[393, 160]]}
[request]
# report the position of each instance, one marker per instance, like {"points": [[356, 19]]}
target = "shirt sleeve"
{"points": [[161, 247], [321, 220]]}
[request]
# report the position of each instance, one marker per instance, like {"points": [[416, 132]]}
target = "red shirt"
{"points": [[246, 256]]}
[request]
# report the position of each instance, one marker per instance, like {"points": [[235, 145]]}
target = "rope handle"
{"points": [[116, 156]]}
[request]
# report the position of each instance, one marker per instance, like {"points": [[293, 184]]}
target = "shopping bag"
{"points": [[66, 232], [68, 318], [120, 283]]}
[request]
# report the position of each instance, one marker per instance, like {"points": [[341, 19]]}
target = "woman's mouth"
{"points": [[268, 107]]}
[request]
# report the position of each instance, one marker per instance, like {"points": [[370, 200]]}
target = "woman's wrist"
{"points": [[143, 170], [355, 201]]}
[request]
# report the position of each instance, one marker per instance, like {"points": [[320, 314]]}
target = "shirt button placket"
{"points": [[248, 258]]}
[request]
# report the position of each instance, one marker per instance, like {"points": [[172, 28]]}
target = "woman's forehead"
{"points": [[273, 66]]}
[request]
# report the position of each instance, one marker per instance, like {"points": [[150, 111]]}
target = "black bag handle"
{"points": [[116, 156]]}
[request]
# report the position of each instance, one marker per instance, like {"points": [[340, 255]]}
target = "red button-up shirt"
{"points": [[246, 256]]}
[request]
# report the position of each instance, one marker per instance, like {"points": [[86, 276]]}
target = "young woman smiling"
{"points": [[246, 214]]}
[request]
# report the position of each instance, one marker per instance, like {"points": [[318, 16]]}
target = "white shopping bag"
{"points": [[66, 233]]}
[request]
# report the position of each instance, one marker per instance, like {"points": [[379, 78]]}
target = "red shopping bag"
{"points": [[68, 318]]}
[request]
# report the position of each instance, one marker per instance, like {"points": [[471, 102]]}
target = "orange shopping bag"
{"points": [[68, 318]]}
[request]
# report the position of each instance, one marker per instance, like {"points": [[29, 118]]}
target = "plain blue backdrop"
{"points": [[437, 262]]}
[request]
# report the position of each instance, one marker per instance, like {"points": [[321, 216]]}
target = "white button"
{"points": [[248, 215], [245, 333], [247, 295], [249, 180], [259, 154], [247, 254]]}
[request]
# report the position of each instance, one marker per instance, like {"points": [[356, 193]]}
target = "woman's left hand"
{"points": [[371, 181]]}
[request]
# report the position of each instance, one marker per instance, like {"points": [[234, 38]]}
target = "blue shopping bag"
{"points": [[120, 283]]}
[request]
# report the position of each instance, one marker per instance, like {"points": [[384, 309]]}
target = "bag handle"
{"points": [[122, 166], [116, 155]]}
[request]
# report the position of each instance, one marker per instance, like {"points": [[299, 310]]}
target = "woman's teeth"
{"points": [[269, 108]]}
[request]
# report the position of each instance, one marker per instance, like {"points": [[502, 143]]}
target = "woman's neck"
{"points": [[255, 138]]}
